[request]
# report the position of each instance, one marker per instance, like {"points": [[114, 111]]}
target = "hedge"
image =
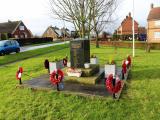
{"points": [[29, 41]]}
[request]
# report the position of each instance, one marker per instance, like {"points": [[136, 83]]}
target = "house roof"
{"points": [[9, 27], [129, 18], [56, 30], [154, 14], [60, 32], [66, 31]]}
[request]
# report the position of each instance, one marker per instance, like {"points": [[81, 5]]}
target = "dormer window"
{"points": [[157, 23], [21, 27]]}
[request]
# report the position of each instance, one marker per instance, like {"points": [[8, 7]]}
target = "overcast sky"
{"points": [[36, 14]]}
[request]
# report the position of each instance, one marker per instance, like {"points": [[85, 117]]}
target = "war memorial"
{"points": [[81, 74]]}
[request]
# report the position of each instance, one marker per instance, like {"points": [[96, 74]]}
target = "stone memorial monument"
{"points": [[79, 52]]}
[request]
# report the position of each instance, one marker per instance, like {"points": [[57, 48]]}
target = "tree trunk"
{"points": [[115, 47], [97, 41], [148, 49], [83, 30]]}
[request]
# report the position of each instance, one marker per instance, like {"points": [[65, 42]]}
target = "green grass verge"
{"points": [[140, 100], [28, 54]]}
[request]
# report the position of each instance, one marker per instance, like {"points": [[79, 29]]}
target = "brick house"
{"points": [[125, 31], [56, 33], [14, 29], [153, 29], [126, 26]]}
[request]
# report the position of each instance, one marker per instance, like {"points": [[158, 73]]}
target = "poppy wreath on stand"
{"points": [[109, 84], [56, 76], [65, 62], [19, 73], [129, 61], [124, 67]]}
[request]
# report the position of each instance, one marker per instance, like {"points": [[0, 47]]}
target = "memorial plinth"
{"points": [[79, 52]]}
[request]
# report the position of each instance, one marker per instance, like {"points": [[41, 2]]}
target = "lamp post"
{"points": [[133, 32]]}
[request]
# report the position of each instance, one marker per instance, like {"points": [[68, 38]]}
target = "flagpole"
{"points": [[133, 32]]}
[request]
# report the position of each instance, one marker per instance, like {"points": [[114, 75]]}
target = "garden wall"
{"points": [[140, 45]]}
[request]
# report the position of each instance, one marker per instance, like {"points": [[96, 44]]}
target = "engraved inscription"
{"points": [[77, 45]]}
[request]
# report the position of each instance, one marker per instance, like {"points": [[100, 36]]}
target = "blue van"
{"points": [[9, 46]]}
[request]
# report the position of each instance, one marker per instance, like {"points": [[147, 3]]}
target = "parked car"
{"points": [[9, 46]]}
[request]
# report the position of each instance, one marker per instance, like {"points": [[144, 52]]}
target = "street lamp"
{"points": [[133, 32]]}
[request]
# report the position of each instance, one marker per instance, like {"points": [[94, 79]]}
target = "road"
{"points": [[28, 48]]}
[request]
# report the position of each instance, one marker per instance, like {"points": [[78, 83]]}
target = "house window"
{"points": [[48, 32], [21, 27], [22, 35], [25, 34], [156, 35], [16, 36], [157, 23]]}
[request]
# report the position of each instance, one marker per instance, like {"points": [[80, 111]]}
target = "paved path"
{"points": [[43, 83], [28, 48]]}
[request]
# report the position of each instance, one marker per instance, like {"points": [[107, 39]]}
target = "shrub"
{"points": [[4, 36]]}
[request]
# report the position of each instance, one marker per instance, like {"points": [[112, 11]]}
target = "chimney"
{"points": [[9, 21], [152, 6], [129, 14]]}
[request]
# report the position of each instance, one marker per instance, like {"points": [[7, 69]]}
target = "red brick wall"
{"points": [[139, 45]]}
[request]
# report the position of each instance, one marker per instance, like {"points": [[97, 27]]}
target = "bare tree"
{"points": [[74, 11], [102, 15], [86, 15]]}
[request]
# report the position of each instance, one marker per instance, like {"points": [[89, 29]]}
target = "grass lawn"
{"points": [[28, 54], [140, 100]]}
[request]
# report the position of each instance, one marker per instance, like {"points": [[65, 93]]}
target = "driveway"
{"points": [[28, 48]]}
